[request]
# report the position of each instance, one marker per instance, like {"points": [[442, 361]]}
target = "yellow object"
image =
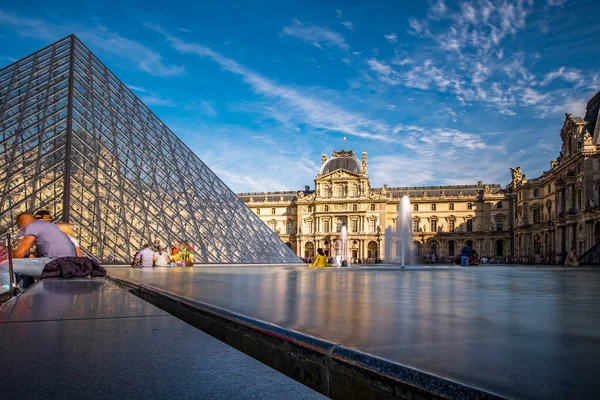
{"points": [[319, 261], [175, 257]]}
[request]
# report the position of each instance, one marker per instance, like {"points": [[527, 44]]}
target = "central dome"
{"points": [[342, 160]]}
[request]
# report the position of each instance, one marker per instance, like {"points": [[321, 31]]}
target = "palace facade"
{"points": [[560, 209], [535, 220], [444, 218]]}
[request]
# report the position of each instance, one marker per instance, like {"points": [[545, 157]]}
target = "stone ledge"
{"points": [[329, 368]]}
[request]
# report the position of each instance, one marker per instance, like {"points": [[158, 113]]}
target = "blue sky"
{"points": [[436, 92]]}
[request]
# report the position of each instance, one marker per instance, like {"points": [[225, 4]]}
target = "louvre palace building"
{"points": [[534, 220]]}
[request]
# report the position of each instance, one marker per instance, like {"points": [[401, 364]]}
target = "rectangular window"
{"points": [[415, 225], [469, 225], [326, 226], [308, 226], [549, 188], [536, 192], [258, 211], [288, 228], [434, 226], [338, 226], [536, 216], [451, 225], [355, 225], [499, 204], [273, 226], [499, 225], [372, 226]]}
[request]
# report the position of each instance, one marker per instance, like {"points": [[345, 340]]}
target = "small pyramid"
{"points": [[75, 141]]}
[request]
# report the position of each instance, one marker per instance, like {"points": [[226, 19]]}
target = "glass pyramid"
{"points": [[75, 141]]}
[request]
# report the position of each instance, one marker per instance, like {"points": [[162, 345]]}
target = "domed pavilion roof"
{"points": [[342, 160]]}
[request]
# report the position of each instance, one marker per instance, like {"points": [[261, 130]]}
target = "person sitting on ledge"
{"points": [[145, 256], [320, 259], [175, 258], [474, 259], [571, 260], [66, 228], [49, 241]]}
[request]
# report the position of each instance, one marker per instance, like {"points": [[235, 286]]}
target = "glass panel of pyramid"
{"points": [[75, 141]]}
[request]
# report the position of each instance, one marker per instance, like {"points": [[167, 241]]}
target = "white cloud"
{"points": [[567, 74], [157, 101], [438, 9], [98, 37], [391, 37], [316, 35], [343, 21], [251, 161], [137, 88], [289, 104]]}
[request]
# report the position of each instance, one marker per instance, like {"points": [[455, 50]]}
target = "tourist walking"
{"points": [[465, 255], [161, 258], [571, 260], [145, 256]]}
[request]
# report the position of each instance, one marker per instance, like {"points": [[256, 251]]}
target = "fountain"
{"points": [[341, 249], [397, 241]]}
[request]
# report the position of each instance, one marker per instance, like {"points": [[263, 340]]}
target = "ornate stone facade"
{"points": [[535, 220], [561, 208], [444, 217]]}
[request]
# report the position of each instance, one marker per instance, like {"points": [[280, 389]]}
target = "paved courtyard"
{"points": [[521, 332]]}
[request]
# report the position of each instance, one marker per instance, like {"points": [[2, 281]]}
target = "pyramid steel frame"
{"points": [[75, 141]]}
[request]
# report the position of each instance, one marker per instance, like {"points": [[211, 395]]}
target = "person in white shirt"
{"points": [[161, 258], [146, 256]]}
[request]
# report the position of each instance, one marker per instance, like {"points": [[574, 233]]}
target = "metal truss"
{"points": [[76, 141]]}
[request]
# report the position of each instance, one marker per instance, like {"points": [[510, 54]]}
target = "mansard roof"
{"points": [[342, 160], [438, 191]]}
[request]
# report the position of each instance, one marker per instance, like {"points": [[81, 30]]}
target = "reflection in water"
{"points": [[486, 326]]}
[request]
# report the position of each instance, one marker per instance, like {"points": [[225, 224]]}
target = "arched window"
{"points": [[309, 208], [433, 246], [372, 207], [341, 191], [326, 191], [272, 211], [355, 190], [354, 207], [258, 211], [469, 206], [433, 207], [326, 208], [416, 207], [451, 207]]}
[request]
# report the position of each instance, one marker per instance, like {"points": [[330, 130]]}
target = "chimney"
{"points": [[364, 162]]}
